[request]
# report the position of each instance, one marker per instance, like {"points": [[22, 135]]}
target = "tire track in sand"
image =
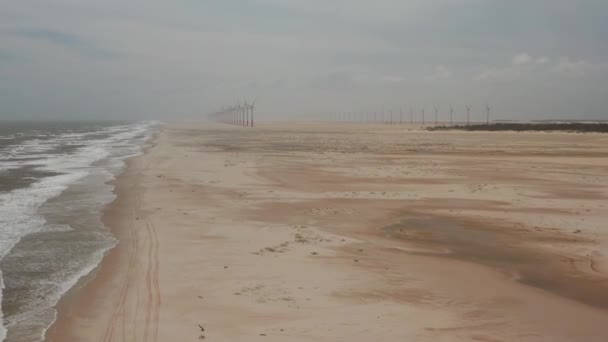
{"points": [[123, 323], [152, 286], [119, 313], [139, 236]]}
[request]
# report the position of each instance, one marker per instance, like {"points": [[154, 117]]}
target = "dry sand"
{"points": [[353, 233]]}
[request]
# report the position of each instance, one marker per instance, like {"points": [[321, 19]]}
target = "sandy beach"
{"points": [[349, 232]]}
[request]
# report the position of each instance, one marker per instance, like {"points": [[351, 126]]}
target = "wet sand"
{"points": [[332, 232]]}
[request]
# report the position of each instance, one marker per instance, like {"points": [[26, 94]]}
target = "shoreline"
{"points": [[78, 298], [260, 235], [55, 235]]}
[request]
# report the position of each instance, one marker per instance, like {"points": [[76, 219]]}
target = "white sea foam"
{"points": [[18, 208], [71, 281], [2, 328]]}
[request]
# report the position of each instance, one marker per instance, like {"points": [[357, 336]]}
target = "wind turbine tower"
{"points": [[488, 114], [252, 107], [451, 115], [246, 105], [422, 117], [411, 116]]}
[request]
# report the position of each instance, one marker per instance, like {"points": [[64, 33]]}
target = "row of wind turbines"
{"points": [[240, 114], [391, 117]]}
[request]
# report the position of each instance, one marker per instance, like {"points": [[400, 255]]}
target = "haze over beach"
{"points": [[542, 59], [303, 170]]}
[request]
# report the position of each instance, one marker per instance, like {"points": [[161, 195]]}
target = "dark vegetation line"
{"points": [[521, 127]]}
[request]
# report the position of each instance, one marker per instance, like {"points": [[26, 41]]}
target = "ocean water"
{"points": [[53, 187]]}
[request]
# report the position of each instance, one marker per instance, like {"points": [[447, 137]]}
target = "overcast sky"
{"points": [[182, 58]]}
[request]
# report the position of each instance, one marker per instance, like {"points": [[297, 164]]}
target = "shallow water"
{"points": [[53, 187]]}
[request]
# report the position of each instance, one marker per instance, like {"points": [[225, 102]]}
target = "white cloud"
{"points": [[522, 59], [574, 67], [392, 79], [498, 74], [440, 72], [542, 60], [580, 68], [524, 64]]}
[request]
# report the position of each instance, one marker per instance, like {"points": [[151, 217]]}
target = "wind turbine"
{"points": [[411, 116], [488, 114], [246, 105], [242, 108], [243, 113], [233, 115], [469, 114], [451, 115], [239, 113], [436, 108], [252, 107], [422, 117], [236, 114]]}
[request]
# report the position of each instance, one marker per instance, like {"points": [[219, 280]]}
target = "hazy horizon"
{"points": [[107, 60]]}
